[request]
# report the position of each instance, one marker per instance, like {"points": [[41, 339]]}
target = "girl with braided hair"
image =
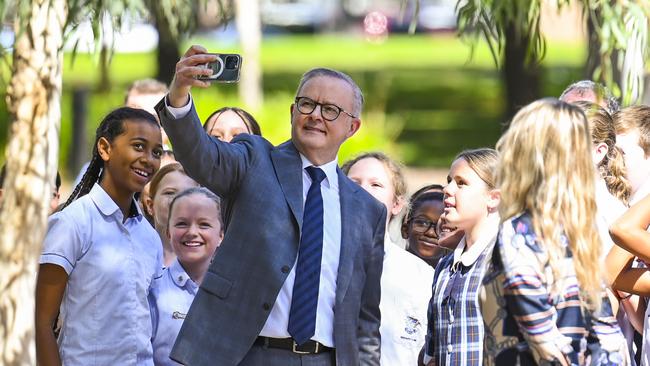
{"points": [[100, 255]]}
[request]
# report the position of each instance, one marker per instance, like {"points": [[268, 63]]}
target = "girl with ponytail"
{"points": [[100, 255]]}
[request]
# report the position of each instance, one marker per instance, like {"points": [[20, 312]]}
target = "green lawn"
{"points": [[426, 100]]}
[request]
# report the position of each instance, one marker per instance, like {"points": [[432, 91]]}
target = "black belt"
{"points": [[309, 348]]}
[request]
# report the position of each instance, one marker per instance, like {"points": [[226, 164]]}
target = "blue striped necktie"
{"points": [[302, 316]]}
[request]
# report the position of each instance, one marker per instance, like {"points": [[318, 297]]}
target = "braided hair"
{"points": [[110, 127]]}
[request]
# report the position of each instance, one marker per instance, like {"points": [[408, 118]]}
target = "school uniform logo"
{"points": [[178, 315]]}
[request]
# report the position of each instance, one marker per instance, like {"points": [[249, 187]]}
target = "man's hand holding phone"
{"points": [[225, 69], [188, 70]]}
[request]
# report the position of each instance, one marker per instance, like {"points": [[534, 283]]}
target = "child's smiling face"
{"points": [[195, 229], [132, 158]]}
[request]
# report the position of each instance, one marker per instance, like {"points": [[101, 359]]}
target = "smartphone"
{"points": [[225, 69]]}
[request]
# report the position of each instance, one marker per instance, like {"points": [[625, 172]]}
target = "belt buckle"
{"points": [[295, 350]]}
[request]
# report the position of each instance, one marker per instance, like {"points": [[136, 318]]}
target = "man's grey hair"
{"points": [[322, 71], [601, 92]]}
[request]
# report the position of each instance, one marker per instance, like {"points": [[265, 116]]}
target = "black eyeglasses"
{"points": [[421, 225], [329, 112]]}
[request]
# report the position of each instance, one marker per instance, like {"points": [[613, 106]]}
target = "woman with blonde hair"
{"points": [[545, 301]]}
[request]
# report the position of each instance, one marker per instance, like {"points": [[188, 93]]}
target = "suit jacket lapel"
{"points": [[288, 166], [349, 233]]}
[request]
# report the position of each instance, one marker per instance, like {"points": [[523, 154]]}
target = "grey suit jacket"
{"points": [[261, 188]]}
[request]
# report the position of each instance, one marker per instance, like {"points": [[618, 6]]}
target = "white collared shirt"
{"points": [[405, 292], [111, 264], [609, 208], [170, 299], [278, 320], [469, 256]]}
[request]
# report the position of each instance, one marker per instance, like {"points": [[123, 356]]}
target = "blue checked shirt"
{"points": [[455, 331]]}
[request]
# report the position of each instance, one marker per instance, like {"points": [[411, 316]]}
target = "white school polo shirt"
{"points": [[406, 283]]}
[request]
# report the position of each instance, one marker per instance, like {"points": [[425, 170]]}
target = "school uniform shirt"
{"points": [[530, 315], [609, 208], [405, 292], [456, 330], [111, 263], [170, 299]]}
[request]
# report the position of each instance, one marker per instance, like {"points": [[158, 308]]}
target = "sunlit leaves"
{"points": [[621, 27]]}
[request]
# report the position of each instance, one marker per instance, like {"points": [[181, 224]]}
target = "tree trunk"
{"points": [[167, 52], [521, 76], [33, 99], [104, 70], [249, 27], [593, 46]]}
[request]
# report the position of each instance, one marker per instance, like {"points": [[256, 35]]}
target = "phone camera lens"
{"points": [[231, 62]]}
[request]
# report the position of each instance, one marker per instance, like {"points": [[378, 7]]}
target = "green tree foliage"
{"points": [[621, 28]]}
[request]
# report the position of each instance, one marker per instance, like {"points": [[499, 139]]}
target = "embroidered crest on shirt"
{"points": [[178, 315], [411, 327]]}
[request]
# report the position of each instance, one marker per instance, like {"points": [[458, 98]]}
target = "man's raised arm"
{"points": [[214, 164]]}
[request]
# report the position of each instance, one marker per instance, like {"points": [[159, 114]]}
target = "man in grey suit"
{"points": [[296, 280]]}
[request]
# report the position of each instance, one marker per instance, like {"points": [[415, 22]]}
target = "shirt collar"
{"points": [[179, 276], [328, 168], [468, 257], [107, 206]]}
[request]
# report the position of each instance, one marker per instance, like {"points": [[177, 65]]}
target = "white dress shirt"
{"points": [[111, 264], [278, 320]]}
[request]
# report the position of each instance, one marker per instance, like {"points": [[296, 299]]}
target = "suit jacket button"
{"points": [[285, 269], [266, 306]]}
